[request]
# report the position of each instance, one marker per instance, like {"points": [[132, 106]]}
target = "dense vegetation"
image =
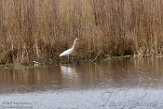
{"points": [[39, 30]]}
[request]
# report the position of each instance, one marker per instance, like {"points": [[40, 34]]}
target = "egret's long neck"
{"points": [[73, 46]]}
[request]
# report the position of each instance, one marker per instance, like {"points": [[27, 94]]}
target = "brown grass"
{"points": [[39, 30]]}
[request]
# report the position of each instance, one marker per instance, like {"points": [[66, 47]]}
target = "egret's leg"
{"points": [[68, 58]]}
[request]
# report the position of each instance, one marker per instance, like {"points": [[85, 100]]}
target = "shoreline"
{"points": [[78, 61]]}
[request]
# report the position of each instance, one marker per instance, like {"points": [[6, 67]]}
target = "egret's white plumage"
{"points": [[69, 51]]}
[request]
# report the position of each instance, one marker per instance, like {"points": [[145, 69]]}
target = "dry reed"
{"points": [[38, 30]]}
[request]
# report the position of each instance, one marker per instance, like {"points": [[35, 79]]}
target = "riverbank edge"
{"points": [[80, 60]]}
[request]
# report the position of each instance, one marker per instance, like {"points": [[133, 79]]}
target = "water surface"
{"points": [[120, 83]]}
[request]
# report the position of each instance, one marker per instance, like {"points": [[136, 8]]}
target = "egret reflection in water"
{"points": [[69, 71]]}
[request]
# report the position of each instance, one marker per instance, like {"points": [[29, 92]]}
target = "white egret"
{"points": [[70, 50]]}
